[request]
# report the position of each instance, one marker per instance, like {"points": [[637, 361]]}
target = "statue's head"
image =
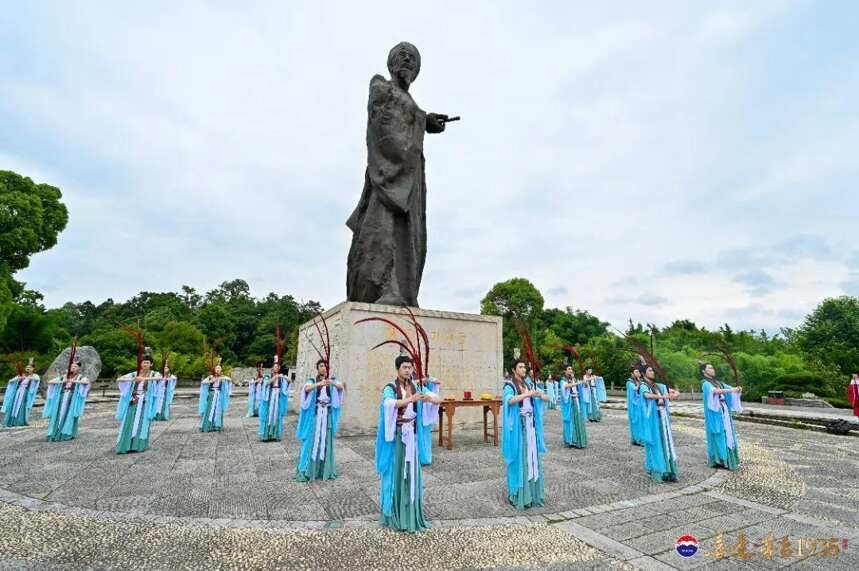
{"points": [[404, 62]]}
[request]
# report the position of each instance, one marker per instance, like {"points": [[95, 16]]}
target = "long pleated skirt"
{"points": [[56, 435], [530, 493], [126, 443], [164, 412], [658, 462], [578, 434], [320, 469], [405, 515], [594, 413], [19, 419], [208, 425], [718, 453]]}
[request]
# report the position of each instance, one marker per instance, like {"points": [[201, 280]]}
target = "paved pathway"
{"points": [[228, 500]]}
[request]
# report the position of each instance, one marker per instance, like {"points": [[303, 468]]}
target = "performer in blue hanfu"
{"points": [[633, 405], [137, 404], [572, 415], [399, 440], [273, 404], [65, 401], [321, 399], [255, 391], [21, 391], [165, 388], [660, 455], [720, 400], [552, 392], [596, 394], [522, 441], [214, 399]]}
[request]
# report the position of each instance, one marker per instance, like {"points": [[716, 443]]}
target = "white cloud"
{"points": [[597, 146]]}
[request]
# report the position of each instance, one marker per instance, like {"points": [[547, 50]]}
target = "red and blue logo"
{"points": [[686, 545]]}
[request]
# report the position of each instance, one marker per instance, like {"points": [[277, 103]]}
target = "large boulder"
{"points": [[88, 356]]}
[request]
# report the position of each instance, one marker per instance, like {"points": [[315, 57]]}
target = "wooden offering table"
{"points": [[448, 407]]}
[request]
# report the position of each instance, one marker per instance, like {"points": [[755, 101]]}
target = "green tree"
{"points": [[514, 300], [181, 337], [830, 334], [31, 218]]}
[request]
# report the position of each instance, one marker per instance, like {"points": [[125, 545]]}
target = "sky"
{"points": [[648, 161]]}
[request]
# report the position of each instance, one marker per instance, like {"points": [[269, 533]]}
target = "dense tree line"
{"points": [[817, 357], [239, 326]]}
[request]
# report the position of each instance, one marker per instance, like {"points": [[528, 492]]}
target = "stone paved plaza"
{"points": [[229, 501]]}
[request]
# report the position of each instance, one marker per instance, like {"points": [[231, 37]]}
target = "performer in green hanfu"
{"points": [[398, 443], [720, 400], [21, 391], [137, 405], [65, 401], [522, 442], [255, 389], [596, 394], [660, 456], [633, 405], [165, 389], [572, 415], [214, 399], [274, 401], [321, 398]]}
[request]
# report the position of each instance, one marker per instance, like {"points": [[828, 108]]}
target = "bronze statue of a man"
{"points": [[389, 228]]}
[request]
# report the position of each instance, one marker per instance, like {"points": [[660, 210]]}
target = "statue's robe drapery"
{"points": [[386, 260]]}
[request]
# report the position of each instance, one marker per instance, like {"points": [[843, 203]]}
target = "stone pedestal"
{"points": [[465, 355]]}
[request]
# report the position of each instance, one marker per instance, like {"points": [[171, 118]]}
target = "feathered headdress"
{"points": [[72, 355], [530, 355], [137, 333], [573, 353], [211, 357], [165, 358], [648, 357], [725, 353], [594, 362], [279, 345], [16, 360], [324, 338], [419, 353]]}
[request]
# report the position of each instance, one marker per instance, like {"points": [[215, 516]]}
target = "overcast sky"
{"points": [[644, 160]]}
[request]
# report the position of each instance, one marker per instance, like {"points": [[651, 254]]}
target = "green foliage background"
{"points": [[818, 357]]}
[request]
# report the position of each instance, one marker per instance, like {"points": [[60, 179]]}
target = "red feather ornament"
{"points": [[413, 348]]}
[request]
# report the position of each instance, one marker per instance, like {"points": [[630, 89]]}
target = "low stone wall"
{"points": [[812, 403]]}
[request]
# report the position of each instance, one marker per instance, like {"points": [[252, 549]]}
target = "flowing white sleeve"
{"points": [[735, 403], [390, 419], [304, 398], [713, 403], [336, 397], [124, 388], [430, 410]]}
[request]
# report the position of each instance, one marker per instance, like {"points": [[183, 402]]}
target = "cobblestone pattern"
{"points": [[792, 483], [42, 540], [231, 475]]}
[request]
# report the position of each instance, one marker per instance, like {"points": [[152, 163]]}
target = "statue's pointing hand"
{"points": [[435, 122]]}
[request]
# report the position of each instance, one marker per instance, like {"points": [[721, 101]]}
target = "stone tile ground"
{"points": [[229, 501]]}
